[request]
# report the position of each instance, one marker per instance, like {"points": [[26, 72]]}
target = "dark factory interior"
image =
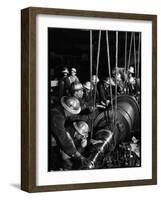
{"points": [[116, 122]]}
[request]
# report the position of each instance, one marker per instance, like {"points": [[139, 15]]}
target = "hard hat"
{"points": [[110, 81], [76, 86], [88, 85], [82, 128], [65, 70], [71, 104], [131, 69], [73, 70], [95, 79], [118, 75]]}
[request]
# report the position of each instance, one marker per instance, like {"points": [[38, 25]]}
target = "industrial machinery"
{"points": [[114, 144]]}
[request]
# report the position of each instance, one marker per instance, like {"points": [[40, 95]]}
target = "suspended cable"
{"points": [[130, 51], [95, 87], [109, 71], [138, 72], [91, 63], [98, 54], [134, 55], [116, 65], [125, 52]]}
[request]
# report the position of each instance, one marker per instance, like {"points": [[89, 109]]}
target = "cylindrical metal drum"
{"points": [[113, 132], [127, 113]]}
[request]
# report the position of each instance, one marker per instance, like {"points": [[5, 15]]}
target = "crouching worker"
{"points": [[59, 116], [79, 134]]}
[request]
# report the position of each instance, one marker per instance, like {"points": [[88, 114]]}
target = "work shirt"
{"points": [[63, 138], [64, 86], [104, 91], [73, 79]]}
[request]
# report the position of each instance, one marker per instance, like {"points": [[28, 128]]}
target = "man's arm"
{"points": [[59, 132]]}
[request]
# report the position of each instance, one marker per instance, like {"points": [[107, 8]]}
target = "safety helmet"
{"points": [[76, 87], [73, 70], [65, 70], [82, 128], [134, 139], [131, 69], [113, 72], [118, 76], [71, 104], [95, 79], [110, 81], [88, 85]]}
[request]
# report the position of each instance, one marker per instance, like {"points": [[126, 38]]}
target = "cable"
{"points": [[109, 70], [135, 56], [116, 63], [91, 63], [98, 54], [130, 50], [125, 52], [95, 89], [139, 56]]}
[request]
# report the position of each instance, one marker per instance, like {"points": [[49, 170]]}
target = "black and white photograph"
{"points": [[89, 99], [94, 99]]}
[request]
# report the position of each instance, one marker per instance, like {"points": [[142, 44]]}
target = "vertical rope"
{"points": [[130, 51], [98, 54], [135, 56], [116, 64], [95, 89], [138, 72], [91, 62], [125, 52], [109, 71]]}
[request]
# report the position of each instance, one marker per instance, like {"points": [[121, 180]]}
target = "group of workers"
{"points": [[103, 90], [71, 118]]}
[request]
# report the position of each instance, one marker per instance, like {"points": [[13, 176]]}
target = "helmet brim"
{"points": [[68, 108], [65, 71], [132, 72], [87, 87], [77, 129]]}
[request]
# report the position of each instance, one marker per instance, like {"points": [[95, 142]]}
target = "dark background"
{"points": [[71, 48]]}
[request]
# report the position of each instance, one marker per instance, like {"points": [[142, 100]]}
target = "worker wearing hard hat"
{"points": [[64, 83], [73, 77]]}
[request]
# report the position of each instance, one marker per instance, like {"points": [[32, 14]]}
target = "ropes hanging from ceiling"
{"points": [[135, 67], [116, 65], [97, 67], [138, 71], [109, 71], [91, 70], [126, 66], [130, 50], [109, 67]]}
